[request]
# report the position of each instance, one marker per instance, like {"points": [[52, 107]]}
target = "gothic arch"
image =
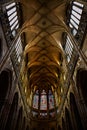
{"points": [[5, 85], [81, 79], [10, 125], [76, 119]]}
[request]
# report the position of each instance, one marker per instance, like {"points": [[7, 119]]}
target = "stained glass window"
{"points": [[36, 100], [43, 101], [51, 100]]}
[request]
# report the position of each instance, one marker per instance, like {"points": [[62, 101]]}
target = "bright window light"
{"points": [[14, 25], [76, 14], [15, 19], [74, 24], [11, 11], [12, 16], [10, 5], [79, 4], [78, 10], [75, 19]]}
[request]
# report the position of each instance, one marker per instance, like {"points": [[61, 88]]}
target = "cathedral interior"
{"points": [[43, 64]]}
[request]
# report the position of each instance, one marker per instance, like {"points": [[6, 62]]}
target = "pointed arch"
{"points": [[10, 125], [81, 81], [5, 85]]}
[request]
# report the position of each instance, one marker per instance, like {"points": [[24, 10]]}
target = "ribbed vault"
{"points": [[44, 64]]}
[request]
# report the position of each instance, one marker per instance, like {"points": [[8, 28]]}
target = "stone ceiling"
{"points": [[44, 66]]}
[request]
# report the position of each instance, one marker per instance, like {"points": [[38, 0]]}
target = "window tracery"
{"points": [[43, 105]]}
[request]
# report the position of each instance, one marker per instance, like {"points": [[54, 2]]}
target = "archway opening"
{"points": [[82, 83], [5, 84], [12, 114]]}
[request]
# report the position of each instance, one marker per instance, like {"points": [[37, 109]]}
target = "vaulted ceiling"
{"points": [[44, 64]]}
